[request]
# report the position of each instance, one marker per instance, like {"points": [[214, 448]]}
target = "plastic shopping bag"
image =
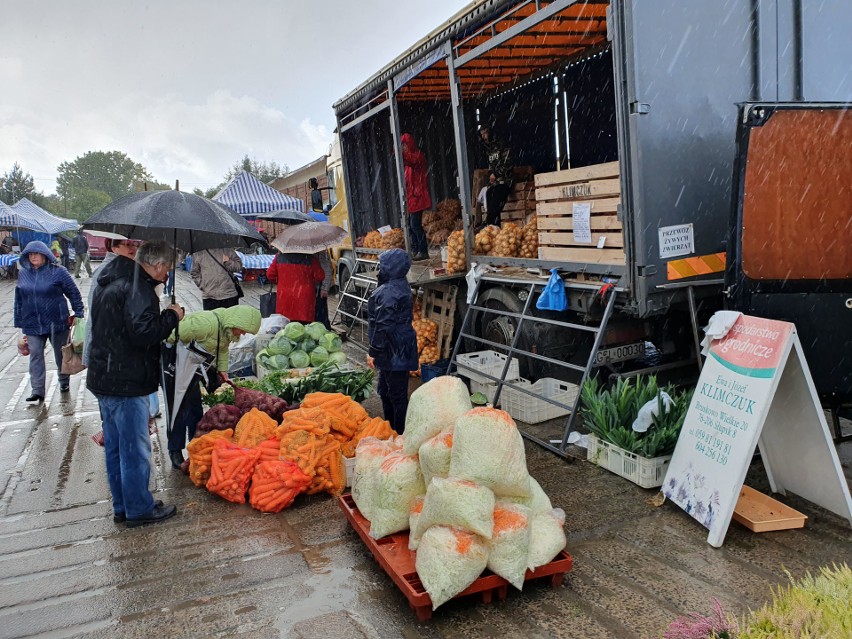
{"points": [[78, 335], [553, 297]]}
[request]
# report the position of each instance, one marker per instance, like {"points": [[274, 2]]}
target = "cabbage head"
{"points": [[331, 342], [307, 345], [338, 357], [315, 330], [277, 363], [280, 344], [319, 356], [300, 359], [295, 331], [263, 357]]}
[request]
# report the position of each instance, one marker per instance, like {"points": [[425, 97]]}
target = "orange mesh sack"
{"points": [[435, 456], [201, 455], [547, 537], [275, 484], [488, 450], [458, 503], [448, 561], [434, 407], [253, 428], [413, 518], [398, 482], [269, 449], [509, 546], [329, 470], [231, 471]]}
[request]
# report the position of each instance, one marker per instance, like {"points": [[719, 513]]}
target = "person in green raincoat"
{"points": [[214, 331]]}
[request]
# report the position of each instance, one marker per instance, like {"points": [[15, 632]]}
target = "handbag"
{"points": [[553, 297], [234, 280], [72, 361], [268, 301]]}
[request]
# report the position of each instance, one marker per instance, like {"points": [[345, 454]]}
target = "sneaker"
{"points": [[120, 518], [65, 388], [158, 514], [35, 398]]}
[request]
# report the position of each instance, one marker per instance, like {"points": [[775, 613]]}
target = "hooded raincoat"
{"points": [[297, 276], [393, 343], [213, 330], [416, 177], [42, 294]]}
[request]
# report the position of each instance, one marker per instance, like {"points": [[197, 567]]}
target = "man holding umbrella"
{"points": [[124, 362]]}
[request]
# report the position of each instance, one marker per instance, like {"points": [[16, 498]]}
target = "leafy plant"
{"points": [[716, 625]]}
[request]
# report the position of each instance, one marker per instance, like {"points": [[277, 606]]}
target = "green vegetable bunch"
{"points": [[326, 378]]}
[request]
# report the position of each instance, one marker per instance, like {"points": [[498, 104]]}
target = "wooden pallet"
{"points": [[398, 562], [439, 305], [556, 193]]}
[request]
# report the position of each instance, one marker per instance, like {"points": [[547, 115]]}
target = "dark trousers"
{"points": [[416, 234], [210, 304], [393, 389], [495, 200], [321, 311], [187, 418]]}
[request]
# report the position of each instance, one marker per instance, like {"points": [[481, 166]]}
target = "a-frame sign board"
{"points": [[755, 390]]}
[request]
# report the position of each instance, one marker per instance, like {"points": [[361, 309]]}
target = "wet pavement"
{"points": [[224, 570]]}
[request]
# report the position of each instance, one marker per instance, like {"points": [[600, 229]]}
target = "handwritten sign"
{"points": [[581, 213], [384, 229], [736, 392], [676, 240]]}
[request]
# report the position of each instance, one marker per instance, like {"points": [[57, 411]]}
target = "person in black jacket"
{"points": [[393, 343], [124, 362]]}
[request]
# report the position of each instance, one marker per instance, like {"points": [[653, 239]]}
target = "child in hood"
{"points": [[393, 343]]}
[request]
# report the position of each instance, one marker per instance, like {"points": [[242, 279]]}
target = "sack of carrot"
{"points": [[201, 455], [231, 470], [275, 484]]}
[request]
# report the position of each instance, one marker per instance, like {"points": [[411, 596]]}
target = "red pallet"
{"points": [[393, 555]]}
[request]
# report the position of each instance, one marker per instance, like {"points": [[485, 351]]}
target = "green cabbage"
{"points": [[295, 331], [307, 345], [299, 359], [280, 344], [277, 363], [315, 330], [331, 342], [338, 357], [319, 356], [263, 357]]}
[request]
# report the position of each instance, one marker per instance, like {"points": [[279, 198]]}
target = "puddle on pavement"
{"points": [[327, 590]]}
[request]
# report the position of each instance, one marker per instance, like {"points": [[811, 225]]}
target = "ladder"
{"points": [[556, 446], [357, 290]]}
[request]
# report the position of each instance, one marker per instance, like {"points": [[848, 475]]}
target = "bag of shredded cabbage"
{"points": [[488, 450], [397, 483], [547, 537], [370, 454], [537, 502], [434, 407], [448, 561], [435, 456], [509, 546], [457, 503], [413, 518]]}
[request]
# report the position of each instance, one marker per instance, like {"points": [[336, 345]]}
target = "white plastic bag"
{"points": [[241, 356], [488, 450], [448, 561], [397, 482], [547, 537], [269, 326], [509, 546], [537, 502], [369, 455], [434, 407], [435, 456], [457, 503], [645, 416], [413, 518]]}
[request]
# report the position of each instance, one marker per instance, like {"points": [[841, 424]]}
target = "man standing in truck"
{"points": [[500, 179]]}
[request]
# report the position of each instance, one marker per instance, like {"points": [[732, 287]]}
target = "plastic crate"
{"points": [[645, 472], [489, 362], [489, 389], [431, 371], [533, 410]]}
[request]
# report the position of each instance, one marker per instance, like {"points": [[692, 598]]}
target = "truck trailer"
{"points": [[626, 113]]}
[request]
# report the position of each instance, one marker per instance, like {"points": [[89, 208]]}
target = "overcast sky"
{"points": [[188, 87]]}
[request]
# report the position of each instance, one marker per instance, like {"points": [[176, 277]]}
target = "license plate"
{"points": [[620, 353]]}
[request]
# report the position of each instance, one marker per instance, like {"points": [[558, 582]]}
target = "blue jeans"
{"points": [[416, 234], [169, 288], [153, 404], [128, 453], [37, 344]]}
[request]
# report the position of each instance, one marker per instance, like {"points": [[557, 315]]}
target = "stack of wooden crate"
{"points": [[520, 205], [439, 305], [557, 195]]}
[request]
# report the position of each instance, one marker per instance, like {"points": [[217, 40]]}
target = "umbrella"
{"points": [[284, 216], [310, 237], [189, 222], [187, 366]]}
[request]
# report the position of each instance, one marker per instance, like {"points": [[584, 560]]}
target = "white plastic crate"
{"points": [[645, 472], [489, 362], [489, 389], [533, 410]]}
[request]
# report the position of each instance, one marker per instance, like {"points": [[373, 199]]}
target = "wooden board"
{"points": [[579, 191], [563, 208], [439, 305], [582, 174], [566, 223], [762, 513], [613, 256], [567, 239]]}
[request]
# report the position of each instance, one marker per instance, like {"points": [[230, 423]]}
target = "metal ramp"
{"points": [[351, 313], [556, 446]]}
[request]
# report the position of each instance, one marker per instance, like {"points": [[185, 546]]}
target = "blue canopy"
{"points": [[248, 196], [48, 222], [12, 218]]}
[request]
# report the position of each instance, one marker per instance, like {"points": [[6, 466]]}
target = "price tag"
{"points": [[601, 241], [384, 229]]}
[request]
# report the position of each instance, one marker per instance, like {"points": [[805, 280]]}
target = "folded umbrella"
{"points": [[310, 237]]}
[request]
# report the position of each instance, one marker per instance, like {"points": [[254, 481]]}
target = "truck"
{"points": [[626, 111]]}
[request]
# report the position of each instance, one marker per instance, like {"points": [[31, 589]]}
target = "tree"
{"points": [[83, 203], [17, 185], [263, 171], [110, 172]]}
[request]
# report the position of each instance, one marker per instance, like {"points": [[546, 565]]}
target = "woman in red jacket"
{"points": [[297, 276], [417, 194]]}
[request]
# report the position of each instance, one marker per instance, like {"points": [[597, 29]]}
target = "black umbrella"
{"points": [[285, 216]]}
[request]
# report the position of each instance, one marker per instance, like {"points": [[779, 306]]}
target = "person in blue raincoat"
{"points": [[41, 311], [393, 343]]}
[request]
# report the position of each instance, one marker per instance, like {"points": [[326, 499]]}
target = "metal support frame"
{"points": [[364, 116], [693, 316], [347, 189], [351, 291], [461, 153], [400, 165]]}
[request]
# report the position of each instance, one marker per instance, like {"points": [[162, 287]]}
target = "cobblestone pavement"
{"points": [[222, 570]]}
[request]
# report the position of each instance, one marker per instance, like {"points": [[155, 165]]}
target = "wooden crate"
{"points": [[557, 192], [439, 305], [762, 513]]}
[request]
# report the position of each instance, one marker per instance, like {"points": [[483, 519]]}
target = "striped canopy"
{"points": [[47, 222], [248, 196]]}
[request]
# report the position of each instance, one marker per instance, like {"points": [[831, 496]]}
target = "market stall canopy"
{"points": [[11, 218], [250, 197], [48, 222], [309, 237]]}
